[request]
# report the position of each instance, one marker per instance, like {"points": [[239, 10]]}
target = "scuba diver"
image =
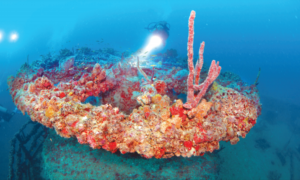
{"points": [[5, 115], [160, 29]]}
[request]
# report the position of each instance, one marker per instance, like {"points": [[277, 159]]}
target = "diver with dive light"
{"points": [[160, 29]]}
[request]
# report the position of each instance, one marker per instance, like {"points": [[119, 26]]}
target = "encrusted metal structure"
{"points": [[26, 146]]}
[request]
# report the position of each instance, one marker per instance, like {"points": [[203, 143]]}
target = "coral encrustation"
{"points": [[148, 119]]}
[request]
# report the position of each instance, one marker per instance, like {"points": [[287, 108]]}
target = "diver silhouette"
{"points": [[160, 29]]}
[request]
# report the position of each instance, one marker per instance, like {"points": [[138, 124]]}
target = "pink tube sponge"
{"points": [[214, 70]]}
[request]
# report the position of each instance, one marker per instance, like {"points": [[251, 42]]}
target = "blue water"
{"points": [[242, 35]]}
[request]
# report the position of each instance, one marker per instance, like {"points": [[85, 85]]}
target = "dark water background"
{"points": [[243, 35]]}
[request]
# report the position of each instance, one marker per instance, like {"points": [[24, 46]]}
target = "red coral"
{"points": [[197, 139], [62, 95], [91, 140], [178, 111], [160, 87], [188, 144], [65, 131], [252, 121], [112, 146], [160, 152], [74, 124], [47, 84]]}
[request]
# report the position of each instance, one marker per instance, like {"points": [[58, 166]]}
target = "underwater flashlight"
{"points": [[13, 36], [1, 36], [155, 41]]}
